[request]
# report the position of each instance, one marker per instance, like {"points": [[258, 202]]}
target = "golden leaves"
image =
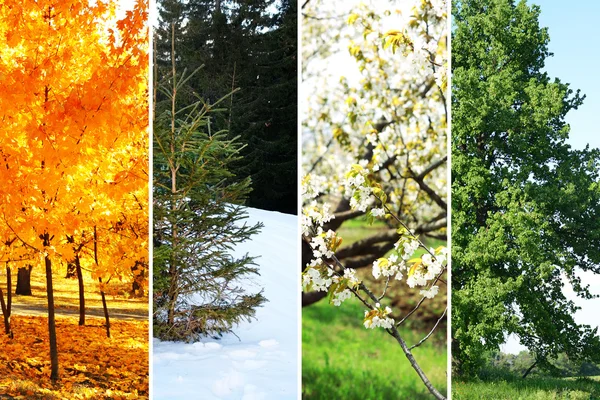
{"points": [[92, 366], [73, 119]]}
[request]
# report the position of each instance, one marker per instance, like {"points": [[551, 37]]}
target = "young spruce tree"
{"points": [[198, 220]]}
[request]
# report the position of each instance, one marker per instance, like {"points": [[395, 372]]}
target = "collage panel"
{"points": [[525, 201], [419, 218], [375, 201], [74, 199], [225, 282]]}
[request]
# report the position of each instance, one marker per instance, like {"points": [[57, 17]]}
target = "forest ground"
{"points": [[529, 389], [121, 304], [342, 359], [90, 364]]}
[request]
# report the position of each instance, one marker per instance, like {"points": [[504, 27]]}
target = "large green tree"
{"points": [[525, 205]]}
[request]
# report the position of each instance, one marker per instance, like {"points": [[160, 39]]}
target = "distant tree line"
{"points": [[250, 45], [560, 366]]}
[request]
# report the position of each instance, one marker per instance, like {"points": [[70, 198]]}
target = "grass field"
{"points": [[343, 360], [536, 388]]}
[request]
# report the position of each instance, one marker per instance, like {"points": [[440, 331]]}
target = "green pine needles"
{"points": [[199, 218]]}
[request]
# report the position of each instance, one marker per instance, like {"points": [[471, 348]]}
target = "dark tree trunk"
{"points": [[51, 320], [24, 281], [6, 307], [312, 297], [100, 280], [81, 292], [71, 271], [106, 317], [9, 289], [529, 370], [139, 276], [5, 314]]}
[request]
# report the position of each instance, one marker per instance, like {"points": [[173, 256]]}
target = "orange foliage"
{"points": [[73, 129], [74, 158], [92, 366]]}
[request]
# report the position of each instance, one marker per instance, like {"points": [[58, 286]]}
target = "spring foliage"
{"points": [[525, 205], [374, 146]]}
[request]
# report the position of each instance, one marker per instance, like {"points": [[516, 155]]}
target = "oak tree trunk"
{"points": [[529, 369]]}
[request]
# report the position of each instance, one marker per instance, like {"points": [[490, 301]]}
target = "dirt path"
{"points": [[115, 313]]}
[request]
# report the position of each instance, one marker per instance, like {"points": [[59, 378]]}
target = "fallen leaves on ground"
{"points": [[91, 365]]}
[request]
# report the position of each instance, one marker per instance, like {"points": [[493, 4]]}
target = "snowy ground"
{"points": [[264, 364]]}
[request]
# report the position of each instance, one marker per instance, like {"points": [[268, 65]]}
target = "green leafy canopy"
{"points": [[525, 205]]}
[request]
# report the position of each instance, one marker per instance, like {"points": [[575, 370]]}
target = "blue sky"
{"points": [[573, 30]]}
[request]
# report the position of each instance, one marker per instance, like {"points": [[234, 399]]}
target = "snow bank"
{"points": [[263, 365]]}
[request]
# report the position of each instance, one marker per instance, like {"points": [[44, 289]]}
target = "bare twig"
{"points": [[387, 282], [430, 332]]}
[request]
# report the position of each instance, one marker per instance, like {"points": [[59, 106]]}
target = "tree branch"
{"points": [[432, 330]]}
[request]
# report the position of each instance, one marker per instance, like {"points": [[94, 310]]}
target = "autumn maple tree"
{"points": [[73, 146]]}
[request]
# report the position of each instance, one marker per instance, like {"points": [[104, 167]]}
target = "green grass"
{"points": [[538, 388], [357, 229], [343, 360]]}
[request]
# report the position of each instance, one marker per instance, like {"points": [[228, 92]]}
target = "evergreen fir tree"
{"points": [[198, 219]]}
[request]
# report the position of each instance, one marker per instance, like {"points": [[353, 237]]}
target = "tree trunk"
{"points": [[529, 370], [51, 320], [24, 281], [9, 289], [139, 276], [71, 271], [312, 297], [100, 280], [106, 317], [81, 292], [5, 314], [6, 307], [173, 277]]}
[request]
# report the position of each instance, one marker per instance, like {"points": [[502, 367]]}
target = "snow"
{"points": [[263, 365]]}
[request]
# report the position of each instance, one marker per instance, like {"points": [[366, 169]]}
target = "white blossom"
{"points": [[378, 212], [430, 293]]}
